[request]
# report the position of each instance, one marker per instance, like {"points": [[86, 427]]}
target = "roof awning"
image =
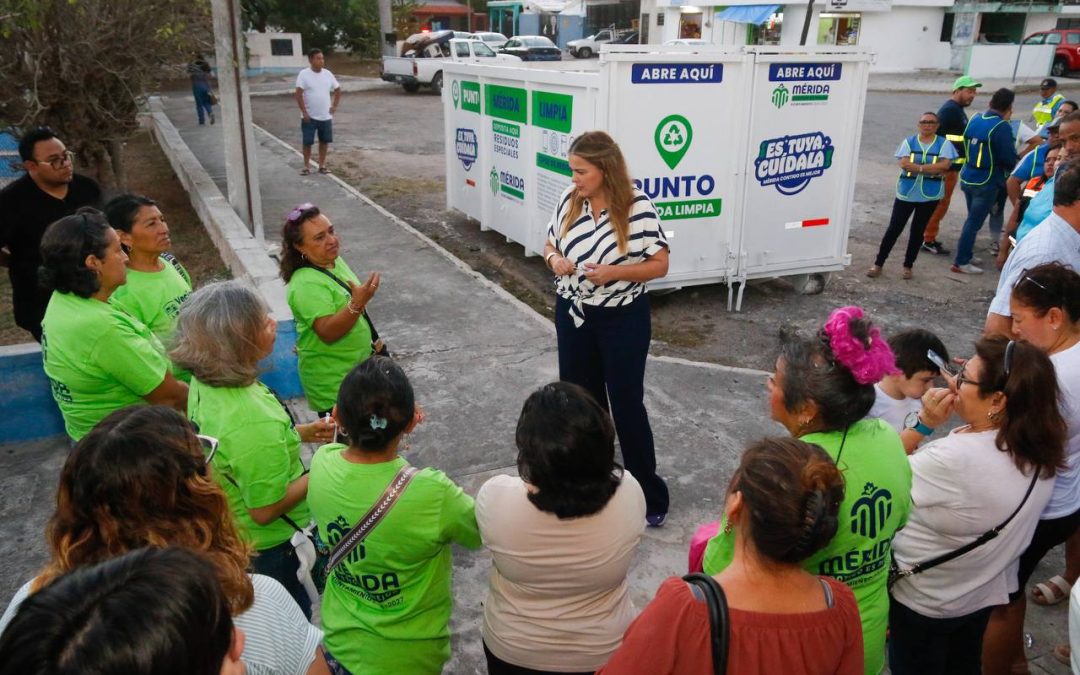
{"points": [[443, 10], [755, 14]]}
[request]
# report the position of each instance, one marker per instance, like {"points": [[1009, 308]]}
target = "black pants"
{"points": [[496, 666], [280, 564], [901, 211], [920, 645], [1048, 534], [606, 356]]}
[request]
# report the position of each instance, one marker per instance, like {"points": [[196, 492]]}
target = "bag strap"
{"points": [[719, 622], [972, 545], [373, 517], [171, 259], [375, 339]]}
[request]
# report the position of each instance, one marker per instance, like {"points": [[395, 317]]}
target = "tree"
{"points": [[84, 67], [328, 24]]}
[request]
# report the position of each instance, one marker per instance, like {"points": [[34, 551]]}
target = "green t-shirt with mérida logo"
{"points": [[98, 359], [387, 606], [877, 499], [258, 448], [322, 366]]}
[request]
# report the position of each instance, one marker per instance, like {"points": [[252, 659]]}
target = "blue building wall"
{"points": [[27, 409]]}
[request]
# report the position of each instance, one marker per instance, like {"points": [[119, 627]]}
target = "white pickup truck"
{"points": [[585, 47], [422, 64]]}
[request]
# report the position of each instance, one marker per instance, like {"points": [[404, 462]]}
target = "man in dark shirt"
{"points": [[953, 120], [49, 191]]}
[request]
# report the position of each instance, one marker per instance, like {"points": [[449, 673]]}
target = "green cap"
{"points": [[966, 81]]}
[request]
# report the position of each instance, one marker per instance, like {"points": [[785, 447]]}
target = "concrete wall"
{"points": [[1040, 22], [905, 39], [999, 60], [261, 60]]}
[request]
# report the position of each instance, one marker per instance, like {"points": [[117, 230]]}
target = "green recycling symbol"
{"points": [[493, 179], [455, 91], [673, 136]]}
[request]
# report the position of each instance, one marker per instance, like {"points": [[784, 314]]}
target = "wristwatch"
{"points": [[912, 421]]}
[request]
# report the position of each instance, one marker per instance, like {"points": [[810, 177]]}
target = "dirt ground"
{"points": [[149, 174], [389, 144]]}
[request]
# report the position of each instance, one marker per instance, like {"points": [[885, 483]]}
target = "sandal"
{"points": [[1062, 654], [1051, 592], [324, 170], [873, 272], [305, 171]]}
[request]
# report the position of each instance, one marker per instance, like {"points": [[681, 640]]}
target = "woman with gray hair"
{"points": [[223, 331]]}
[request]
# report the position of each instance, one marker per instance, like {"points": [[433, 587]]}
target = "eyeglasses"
{"points": [[299, 212], [209, 446], [928, 121], [962, 379], [58, 162]]}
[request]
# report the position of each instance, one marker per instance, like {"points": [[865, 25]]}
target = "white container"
{"points": [[748, 153]]}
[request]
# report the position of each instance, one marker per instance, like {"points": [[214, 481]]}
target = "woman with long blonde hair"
{"points": [[605, 241], [141, 478]]}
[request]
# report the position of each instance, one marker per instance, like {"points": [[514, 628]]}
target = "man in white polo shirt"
{"points": [[1055, 239], [318, 94]]}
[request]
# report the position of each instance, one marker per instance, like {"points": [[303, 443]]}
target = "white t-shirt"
{"points": [[318, 89], [557, 596], [278, 638], [962, 486], [891, 410], [1066, 497], [1053, 239]]}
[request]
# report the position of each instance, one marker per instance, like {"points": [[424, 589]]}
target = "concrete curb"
{"points": [[245, 257]]}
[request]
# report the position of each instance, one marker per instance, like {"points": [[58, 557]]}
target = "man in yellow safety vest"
{"points": [[1047, 107]]}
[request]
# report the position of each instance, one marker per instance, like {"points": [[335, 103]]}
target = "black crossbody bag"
{"points": [[896, 574], [377, 345], [719, 621]]}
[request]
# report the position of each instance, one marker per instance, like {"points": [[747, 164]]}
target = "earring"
{"points": [[728, 527]]}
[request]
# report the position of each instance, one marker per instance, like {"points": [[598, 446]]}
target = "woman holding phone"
{"points": [[605, 241]]}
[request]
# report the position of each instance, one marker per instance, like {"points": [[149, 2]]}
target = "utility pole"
{"points": [[386, 27], [241, 167], [806, 22]]}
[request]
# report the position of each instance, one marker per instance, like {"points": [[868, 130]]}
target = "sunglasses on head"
{"points": [[299, 212]]}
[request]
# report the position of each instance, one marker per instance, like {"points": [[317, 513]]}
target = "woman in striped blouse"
{"points": [[604, 242]]}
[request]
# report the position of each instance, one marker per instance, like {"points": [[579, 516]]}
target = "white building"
{"points": [[906, 35]]}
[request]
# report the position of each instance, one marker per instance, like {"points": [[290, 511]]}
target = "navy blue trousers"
{"points": [[606, 356]]}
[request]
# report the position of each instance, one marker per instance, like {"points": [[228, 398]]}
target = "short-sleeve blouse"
{"points": [[590, 241]]}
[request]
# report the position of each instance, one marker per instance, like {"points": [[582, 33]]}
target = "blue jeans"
{"points": [[606, 356], [202, 102], [982, 201], [280, 564]]}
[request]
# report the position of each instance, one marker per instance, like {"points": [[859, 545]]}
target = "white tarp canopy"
{"points": [[574, 8], [544, 6]]}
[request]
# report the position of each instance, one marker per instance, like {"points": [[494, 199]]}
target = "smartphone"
{"points": [[936, 359]]}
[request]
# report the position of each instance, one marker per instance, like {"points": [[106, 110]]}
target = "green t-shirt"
{"points": [[387, 606], [155, 298], [98, 359], [258, 448], [323, 366], [877, 499]]}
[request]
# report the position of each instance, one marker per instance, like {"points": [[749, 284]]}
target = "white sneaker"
{"points": [[976, 260], [966, 269]]}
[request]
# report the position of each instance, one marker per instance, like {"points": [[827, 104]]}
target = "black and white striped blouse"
{"points": [[589, 241]]}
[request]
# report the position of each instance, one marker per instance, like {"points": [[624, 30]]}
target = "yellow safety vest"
{"points": [[958, 145], [1044, 110]]}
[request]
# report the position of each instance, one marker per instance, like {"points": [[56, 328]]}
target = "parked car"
{"points": [[493, 40], [591, 45], [422, 64], [686, 42], [630, 37], [532, 48], [1067, 48]]}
